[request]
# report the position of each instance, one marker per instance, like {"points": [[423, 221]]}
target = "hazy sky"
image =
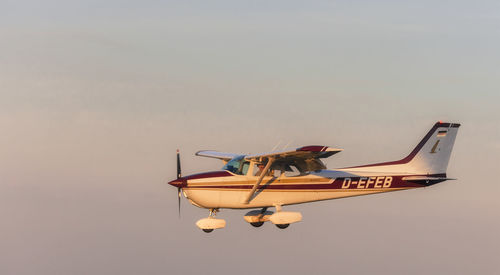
{"points": [[95, 96]]}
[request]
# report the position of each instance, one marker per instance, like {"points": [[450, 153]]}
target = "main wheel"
{"points": [[207, 230], [257, 224], [283, 226]]}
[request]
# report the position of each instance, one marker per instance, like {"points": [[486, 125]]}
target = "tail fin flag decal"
{"points": [[442, 133]]}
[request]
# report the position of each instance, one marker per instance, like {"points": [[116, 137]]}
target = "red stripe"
{"points": [[205, 175], [397, 182]]}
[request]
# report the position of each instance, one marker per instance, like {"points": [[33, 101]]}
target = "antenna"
{"points": [[276, 146], [287, 144]]}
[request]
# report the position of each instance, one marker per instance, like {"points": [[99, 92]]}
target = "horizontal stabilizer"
{"points": [[426, 180]]}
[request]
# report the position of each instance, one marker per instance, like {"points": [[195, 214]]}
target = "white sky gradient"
{"points": [[95, 96]]}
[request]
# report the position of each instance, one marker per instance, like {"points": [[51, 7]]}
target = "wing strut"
{"points": [[254, 188]]}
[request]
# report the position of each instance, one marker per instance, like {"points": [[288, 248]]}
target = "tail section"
{"points": [[430, 156], [435, 149]]}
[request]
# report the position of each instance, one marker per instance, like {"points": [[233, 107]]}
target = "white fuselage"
{"points": [[231, 191], [238, 186]]}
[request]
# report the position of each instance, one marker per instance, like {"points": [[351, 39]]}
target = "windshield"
{"points": [[237, 166]]}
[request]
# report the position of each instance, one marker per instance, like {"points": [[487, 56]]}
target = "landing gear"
{"points": [[209, 224], [257, 224], [283, 225], [258, 217], [280, 225], [283, 219], [213, 212]]}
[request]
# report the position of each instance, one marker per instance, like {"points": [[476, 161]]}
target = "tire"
{"points": [[207, 230], [257, 224], [283, 226]]}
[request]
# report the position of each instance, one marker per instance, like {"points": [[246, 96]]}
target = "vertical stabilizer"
{"points": [[430, 156], [434, 154]]}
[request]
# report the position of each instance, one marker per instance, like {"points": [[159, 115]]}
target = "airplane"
{"points": [[287, 177]]}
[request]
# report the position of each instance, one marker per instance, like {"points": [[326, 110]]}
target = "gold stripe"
{"points": [[264, 182], [304, 190]]}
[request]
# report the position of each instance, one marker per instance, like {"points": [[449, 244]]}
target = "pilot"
{"points": [[261, 167]]}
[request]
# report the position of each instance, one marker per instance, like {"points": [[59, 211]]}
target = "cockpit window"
{"points": [[237, 166]]}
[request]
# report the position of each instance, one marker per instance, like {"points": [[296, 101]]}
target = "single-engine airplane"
{"points": [[287, 177]]}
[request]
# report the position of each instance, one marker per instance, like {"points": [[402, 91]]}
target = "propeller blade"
{"points": [[179, 200], [179, 174]]}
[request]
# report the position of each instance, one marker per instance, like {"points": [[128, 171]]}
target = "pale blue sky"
{"points": [[95, 96]]}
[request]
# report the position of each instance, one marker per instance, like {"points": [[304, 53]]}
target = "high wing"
{"points": [[304, 158], [217, 155], [305, 152]]}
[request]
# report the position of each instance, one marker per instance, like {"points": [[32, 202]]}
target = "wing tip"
{"points": [[318, 148]]}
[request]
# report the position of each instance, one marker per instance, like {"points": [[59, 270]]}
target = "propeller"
{"points": [[179, 175]]}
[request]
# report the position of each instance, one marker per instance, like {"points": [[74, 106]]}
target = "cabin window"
{"points": [[292, 171], [237, 166], [244, 168]]}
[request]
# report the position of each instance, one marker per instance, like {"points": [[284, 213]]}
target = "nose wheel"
{"points": [[211, 214], [209, 224]]}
